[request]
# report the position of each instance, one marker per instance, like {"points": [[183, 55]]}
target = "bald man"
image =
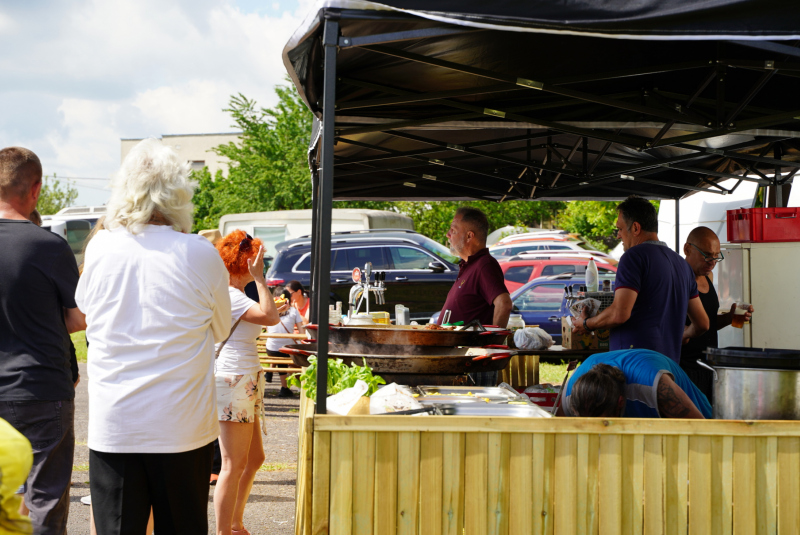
{"points": [[702, 252]]}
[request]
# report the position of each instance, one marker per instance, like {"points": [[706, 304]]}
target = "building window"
{"points": [[197, 165]]}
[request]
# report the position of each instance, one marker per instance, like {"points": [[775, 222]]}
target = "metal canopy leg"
{"points": [[678, 225], [325, 205]]}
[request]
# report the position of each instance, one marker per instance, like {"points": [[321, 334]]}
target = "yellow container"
{"points": [[380, 317]]}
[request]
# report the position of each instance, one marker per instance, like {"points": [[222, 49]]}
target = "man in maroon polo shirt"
{"points": [[479, 292]]}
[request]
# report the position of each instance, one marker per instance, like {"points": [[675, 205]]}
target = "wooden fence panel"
{"points": [[453, 450], [520, 478], [676, 469], [385, 515], [363, 482], [408, 483], [542, 497], [744, 485], [476, 480], [611, 485], [498, 481], [342, 484], [566, 457], [632, 483], [430, 483], [788, 485], [586, 493], [699, 485], [767, 485], [721, 485], [654, 485], [321, 483]]}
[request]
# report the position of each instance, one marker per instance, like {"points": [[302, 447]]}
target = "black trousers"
{"points": [[125, 485]]}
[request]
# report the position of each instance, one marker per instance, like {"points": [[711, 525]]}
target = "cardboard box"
{"points": [[598, 339]]}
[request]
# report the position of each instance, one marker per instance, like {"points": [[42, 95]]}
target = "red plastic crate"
{"points": [[763, 225], [543, 399]]}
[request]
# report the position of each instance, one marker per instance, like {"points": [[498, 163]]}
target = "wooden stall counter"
{"points": [[393, 475]]}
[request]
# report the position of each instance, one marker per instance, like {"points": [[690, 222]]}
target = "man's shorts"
{"points": [[239, 397]]}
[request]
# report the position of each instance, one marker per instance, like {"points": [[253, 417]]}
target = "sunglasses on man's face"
{"points": [[246, 243], [708, 257]]}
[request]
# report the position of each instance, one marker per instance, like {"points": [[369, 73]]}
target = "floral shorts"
{"points": [[239, 397]]}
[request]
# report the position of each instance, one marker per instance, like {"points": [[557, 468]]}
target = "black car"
{"points": [[419, 271]]}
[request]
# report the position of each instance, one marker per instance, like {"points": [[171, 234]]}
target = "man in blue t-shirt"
{"points": [[654, 292], [636, 383]]}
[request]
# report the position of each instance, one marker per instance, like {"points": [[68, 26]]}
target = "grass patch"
{"points": [[277, 467], [79, 341], [553, 373], [294, 410], [80, 467]]}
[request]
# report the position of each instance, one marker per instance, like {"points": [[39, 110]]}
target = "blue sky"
{"points": [[78, 76]]}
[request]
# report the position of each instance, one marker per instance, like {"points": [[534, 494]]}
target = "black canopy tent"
{"points": [[536, 100]]}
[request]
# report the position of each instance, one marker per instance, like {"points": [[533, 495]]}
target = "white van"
{"points": [[275, 227], [74, 224]]}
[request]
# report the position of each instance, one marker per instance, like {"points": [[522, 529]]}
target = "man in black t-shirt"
{"points": [[38, 276]]}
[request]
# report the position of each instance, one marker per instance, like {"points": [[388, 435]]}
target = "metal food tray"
{"points": [[493, 409], [468, 394]]}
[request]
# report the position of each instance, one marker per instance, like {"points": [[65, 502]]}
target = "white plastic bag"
{"points": [[532, 338], [392, 398], [592, 307], [345, 400]]}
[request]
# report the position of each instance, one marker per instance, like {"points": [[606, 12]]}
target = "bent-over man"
{"points": [[636, 383]]}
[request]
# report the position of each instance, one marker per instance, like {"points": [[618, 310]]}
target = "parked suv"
{"points": [[419, 271], [520, 270]]}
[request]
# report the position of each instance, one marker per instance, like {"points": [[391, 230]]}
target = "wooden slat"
{"points": [[721, 485], [430, 483], [341, 522], [653, 485], [453, 450], [497, 509], [305, 470], [363, 482], [610, 485], [744, 485], [521, 484], [600, 426], [632, 483], [788, 485], [566, 453], [767, 485], [408, 483], [321, 483], [542, 497], [699, 485], [475, 483], [586, 494], [385, 515], [676, 494]]}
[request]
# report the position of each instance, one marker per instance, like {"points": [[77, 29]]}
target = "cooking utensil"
{"points": [[445, 317], [571, 366], [379, 339]]}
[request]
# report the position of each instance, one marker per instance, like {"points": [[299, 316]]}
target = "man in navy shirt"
{"points": [[655, 289]]}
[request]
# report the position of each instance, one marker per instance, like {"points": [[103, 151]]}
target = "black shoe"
{"points": [[285, 393], [268, 377]]}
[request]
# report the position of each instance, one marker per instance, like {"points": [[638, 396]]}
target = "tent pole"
{"points": [[323, 260], [678, 225]]}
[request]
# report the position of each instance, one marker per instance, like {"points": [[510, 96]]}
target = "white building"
{"points": [[195, 148]]}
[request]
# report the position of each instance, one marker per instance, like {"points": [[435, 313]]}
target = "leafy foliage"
{"points": [[56, 194], [594, 220]]}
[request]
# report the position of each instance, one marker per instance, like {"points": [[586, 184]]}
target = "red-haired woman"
{"points": [[239, 379]]}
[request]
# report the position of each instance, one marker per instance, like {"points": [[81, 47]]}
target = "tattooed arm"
{"points": [[673, 402]]}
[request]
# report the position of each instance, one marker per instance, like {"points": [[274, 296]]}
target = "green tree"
{"points": [[56, 194], [594, 220]]}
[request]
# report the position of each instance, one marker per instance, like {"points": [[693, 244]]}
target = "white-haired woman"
{"points": [[156, 300]]}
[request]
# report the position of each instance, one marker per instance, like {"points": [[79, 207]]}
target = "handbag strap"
{"points": [[219, 349]]}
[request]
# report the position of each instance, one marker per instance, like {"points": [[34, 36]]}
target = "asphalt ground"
{"points": [[270, 508]]}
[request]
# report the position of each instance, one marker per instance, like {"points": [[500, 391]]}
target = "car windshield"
{"points": [[439, 250]]}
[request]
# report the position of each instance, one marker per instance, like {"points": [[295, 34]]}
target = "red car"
{"points": [[518, 272]]}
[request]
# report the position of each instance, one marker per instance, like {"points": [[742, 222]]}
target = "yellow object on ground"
{"points": [[16, 458]]}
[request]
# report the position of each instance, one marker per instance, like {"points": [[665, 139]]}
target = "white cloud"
{"points": [[89, 72]]}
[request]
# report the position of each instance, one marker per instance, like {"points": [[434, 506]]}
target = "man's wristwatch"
{"points": [[586, 327]]}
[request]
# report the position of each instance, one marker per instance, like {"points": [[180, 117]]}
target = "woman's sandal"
{"points": [[242, 531]]}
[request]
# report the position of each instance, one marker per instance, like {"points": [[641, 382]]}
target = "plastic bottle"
{"points": [[591, 276]]}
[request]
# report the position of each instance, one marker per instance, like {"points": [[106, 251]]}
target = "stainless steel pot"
{"points": [[755, 393]]}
